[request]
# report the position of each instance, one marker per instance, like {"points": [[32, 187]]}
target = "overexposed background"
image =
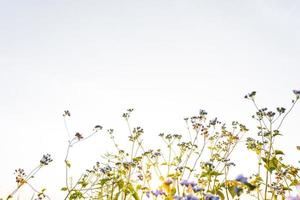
{"points": [[166, 59]]}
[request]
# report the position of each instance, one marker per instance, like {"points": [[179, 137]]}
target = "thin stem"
{"points": [[283, 118], [197, 159], [256, 106], [268, 160], [169, 159]]}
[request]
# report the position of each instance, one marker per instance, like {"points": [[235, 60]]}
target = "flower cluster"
{"points": [[46, 159]]}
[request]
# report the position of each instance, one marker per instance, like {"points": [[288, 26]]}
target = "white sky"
{"points": [[167, 59]]}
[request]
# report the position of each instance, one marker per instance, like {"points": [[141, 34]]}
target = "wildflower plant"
{"points": [[195, 165], [274, 177], [174, 171], [23, 179]]}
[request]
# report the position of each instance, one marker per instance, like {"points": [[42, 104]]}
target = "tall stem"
{"points": [[268, 160]]}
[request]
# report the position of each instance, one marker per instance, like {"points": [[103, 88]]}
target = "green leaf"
{"points": [[279, 152], [221, 195], [68, 163], [270, 164], [232, 192], [215, 173]]}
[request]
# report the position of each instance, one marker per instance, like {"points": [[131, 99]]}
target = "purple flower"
{"points": [[168, 181], [241, 179], [192, 183], [186, 183], [158, 192], [187, 197], [293, 198], [148, 194], [197, 189], [296, 92], [238, 190], [191, 197], [211, 197], [178, 198]]}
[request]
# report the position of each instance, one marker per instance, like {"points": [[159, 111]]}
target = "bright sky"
{"points": [[166, 59]]}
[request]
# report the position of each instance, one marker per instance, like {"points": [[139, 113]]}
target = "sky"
{"points": [[166, 59]]}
